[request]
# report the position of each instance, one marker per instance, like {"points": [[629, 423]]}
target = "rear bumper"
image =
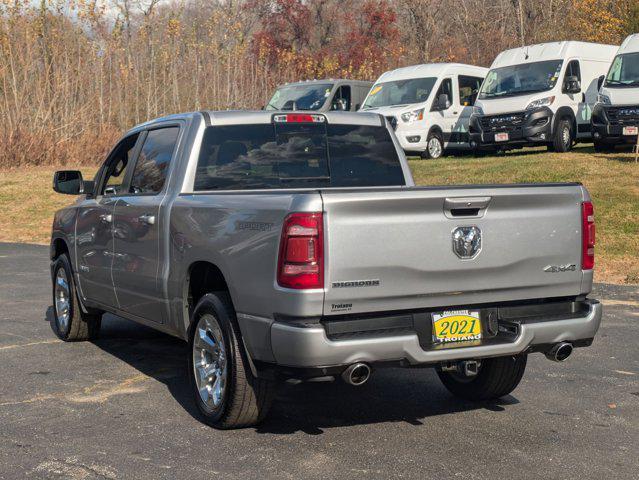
{"points": [[535, 129], [309, 346]]}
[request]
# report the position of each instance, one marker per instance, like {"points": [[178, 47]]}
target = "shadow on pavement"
{"points": [[391, 395]]}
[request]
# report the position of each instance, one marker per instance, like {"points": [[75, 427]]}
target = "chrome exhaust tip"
{"points": [[356, 374], [559, 352]]}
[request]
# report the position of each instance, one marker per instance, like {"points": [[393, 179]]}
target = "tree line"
{"points": [[75, 73]]}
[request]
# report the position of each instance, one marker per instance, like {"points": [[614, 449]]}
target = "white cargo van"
{"points": [[615, 117], [429, 106], [540, 95]]}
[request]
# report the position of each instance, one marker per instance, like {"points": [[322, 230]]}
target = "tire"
{"points": [[69, 322], [497, 377], [435, 141], [602, 147], [235, 398], [563, 137]]}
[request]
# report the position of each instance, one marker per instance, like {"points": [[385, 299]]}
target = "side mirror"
{"points": [[443, 102], [69, 182], [572, 85], [600, 81]]}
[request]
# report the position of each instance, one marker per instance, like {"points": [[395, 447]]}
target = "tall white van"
{"points": [[540, 95], [615, 118], [429, 106]]}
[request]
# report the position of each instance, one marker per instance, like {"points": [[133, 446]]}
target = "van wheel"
{"points": [[226, 392], [434, 146], [563, 137], [69, 322], [496, 378]]}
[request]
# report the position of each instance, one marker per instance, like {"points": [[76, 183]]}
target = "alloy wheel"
{"points": [[434, 147], [62, 300], [209, 362]]}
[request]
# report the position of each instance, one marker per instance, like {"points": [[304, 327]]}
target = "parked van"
{"points": [[429, 106], [320, 95], [540, 95], [615, 117]]}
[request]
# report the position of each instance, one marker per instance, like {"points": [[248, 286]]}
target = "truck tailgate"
{"points": [[392, 249]]}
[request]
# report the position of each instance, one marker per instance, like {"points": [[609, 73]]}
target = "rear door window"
{"points": [[153, 162], [313, 155]]}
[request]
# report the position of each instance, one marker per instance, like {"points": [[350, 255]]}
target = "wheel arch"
{"points": [[435, 128], [58, 247], [201, 277], [205, 277], [563, 113]]}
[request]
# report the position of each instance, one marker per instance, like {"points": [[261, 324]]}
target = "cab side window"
{"points": [[117, 166], [573, 70], [342, 99], [468, 89], [446, 88], [153, 162]]}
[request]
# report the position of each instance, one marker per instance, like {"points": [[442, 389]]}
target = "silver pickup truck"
{"points": [[295, 246]]}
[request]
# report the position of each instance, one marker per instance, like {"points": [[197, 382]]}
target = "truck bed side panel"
{"points": [[239, 233]]}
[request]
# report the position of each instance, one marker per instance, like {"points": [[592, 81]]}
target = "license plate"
{"points": [[630, 130], [501, 137], [456, 326]]}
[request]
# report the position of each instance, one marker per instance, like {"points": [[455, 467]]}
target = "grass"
{"points": [[27, 201]]}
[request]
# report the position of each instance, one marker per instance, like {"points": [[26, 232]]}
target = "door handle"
{"points": [[106, 218], [455, 113], [148, 219]]}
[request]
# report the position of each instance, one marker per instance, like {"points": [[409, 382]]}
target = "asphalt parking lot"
{"points": [[118, 408]]}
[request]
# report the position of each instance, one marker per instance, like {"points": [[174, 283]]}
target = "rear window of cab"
{"points": [[296, 155]]}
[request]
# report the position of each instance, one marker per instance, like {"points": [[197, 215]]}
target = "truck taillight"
{"points": [[300, 263], [587, 236]]}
